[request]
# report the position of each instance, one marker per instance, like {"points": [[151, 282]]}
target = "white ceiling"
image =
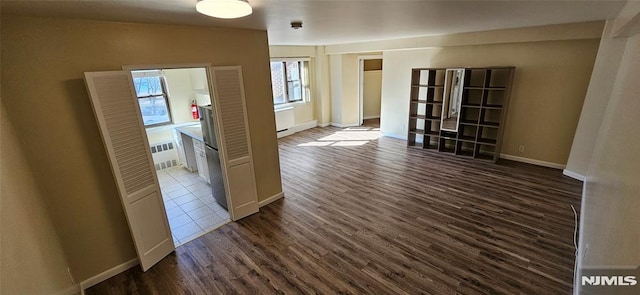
{"points": [[336, 21]]}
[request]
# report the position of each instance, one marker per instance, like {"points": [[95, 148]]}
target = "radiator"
{"points": [[284, 119], [164, 155]]}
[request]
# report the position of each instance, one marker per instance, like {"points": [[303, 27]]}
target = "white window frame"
{"points": [[304, 78], [165, 93]]}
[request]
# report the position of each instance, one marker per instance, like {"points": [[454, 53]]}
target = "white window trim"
{"points": [[165, 90], [305, 73]]}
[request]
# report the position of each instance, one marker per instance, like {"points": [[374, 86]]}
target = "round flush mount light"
{"points": [[224, 8]]}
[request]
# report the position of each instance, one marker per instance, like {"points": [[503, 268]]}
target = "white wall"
{"points": [[611, 200], [595, 103], [180, 88], [396, 79], [609, 232], [372, 93]]}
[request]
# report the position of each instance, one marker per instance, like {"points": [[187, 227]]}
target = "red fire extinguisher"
{"points": [[194, 110]]}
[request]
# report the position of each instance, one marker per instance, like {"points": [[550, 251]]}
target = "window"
{"points": [[152, 97], [288, 78]]}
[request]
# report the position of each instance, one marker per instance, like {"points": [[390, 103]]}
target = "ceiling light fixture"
{"points": [[224, 8]]}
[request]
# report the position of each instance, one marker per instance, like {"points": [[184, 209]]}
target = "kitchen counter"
{"points": [[193, 131]]}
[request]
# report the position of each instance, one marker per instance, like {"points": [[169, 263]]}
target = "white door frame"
{"points": [[219, 132], [203, 65], [361, 59]]}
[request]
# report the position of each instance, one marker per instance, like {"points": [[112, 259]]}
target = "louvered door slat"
{"points": [[229, 96]]}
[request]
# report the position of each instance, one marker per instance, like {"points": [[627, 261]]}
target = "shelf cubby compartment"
{"points": [[430, 142], [417, 124], [487, 135], [474, 78], [433, 110], [464, 148], [432, 128], [415, 140], [498, 77], [447, 144], [469, 115], [493, 98], [490, 117], [467, 132], [428, 93], [428, 77], [417, 109], [472, 96], [484, 151]]}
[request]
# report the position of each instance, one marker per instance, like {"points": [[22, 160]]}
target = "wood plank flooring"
{"points": [[363, 215]]}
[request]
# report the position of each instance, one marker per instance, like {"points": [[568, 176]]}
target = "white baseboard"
{"points": [[305, 126], [107, 274], [532, 161], [284, 133], [271, 199], [371, 117], [573, 175], [71, 290], [324, 125], [298, 128], [403, 137], [340, 125]]}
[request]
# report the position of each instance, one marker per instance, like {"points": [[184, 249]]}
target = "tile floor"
{"points": [[191, 209]]}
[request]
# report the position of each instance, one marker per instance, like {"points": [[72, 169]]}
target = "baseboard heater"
{"points": [[164, 155], [285, 119]]}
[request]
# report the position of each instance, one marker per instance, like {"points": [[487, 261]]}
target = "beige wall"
{"points": [[372, 93], [550, 83], [32, 260], [42, 68]]}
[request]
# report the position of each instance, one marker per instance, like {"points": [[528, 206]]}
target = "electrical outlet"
{"points": [[521, 149]]}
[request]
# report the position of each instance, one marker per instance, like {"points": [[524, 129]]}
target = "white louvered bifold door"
{"points": [[234, 140], [116, 109]]}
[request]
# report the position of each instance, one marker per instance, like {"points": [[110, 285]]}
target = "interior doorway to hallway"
{"points": [[370, 92]]}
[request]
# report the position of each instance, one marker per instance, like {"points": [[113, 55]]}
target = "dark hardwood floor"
{"points": [[370, 216]]}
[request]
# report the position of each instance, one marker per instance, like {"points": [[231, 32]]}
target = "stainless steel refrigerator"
{"points": [[213, 158]]}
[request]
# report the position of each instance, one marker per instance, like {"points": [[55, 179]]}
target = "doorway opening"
{"points": [[172, 102], [370, 90]]}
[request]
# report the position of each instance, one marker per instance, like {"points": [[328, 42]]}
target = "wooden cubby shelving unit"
{"points": [[483, 111]]}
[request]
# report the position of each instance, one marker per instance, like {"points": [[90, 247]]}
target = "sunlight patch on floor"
{"points": [[352, 136]]}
